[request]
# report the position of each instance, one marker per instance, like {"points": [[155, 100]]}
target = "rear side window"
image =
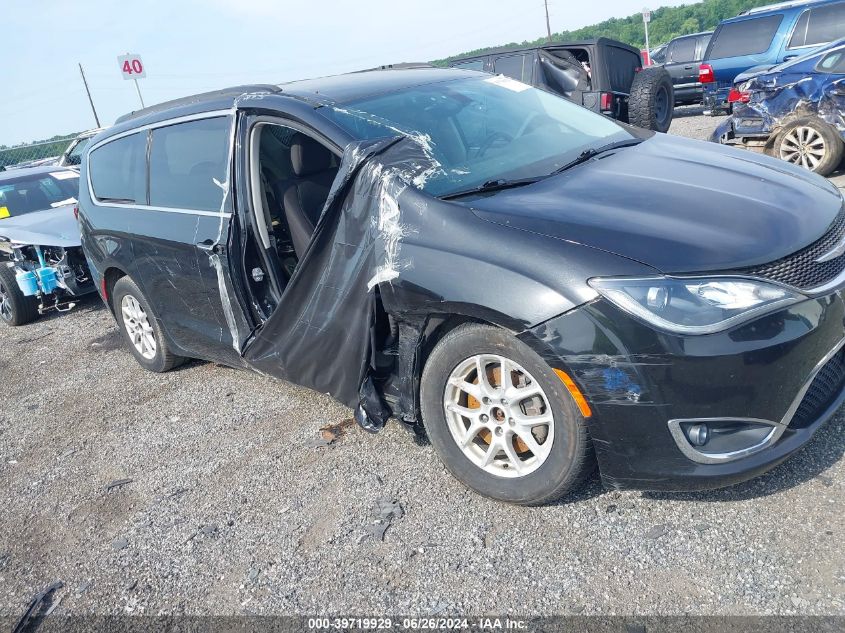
{"points": [[474, 64], [515, 66], [118, 170], [682, 50], [621, 66], [188, 164], [819, 26], [748, 37]]}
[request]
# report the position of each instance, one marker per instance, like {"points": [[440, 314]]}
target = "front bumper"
{"points": [[642, 384]]}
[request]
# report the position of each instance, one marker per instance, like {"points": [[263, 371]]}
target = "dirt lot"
{"points": [[222, 502]]}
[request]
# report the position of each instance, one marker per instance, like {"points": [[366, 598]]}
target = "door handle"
{"points": [[688, 67], [788, 57]]}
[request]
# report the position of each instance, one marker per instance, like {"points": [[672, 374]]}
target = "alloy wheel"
{"points": [[5, 304], [803, 146], [138, 327], [499, 415]]}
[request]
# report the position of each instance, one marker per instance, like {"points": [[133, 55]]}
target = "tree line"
{"points": [[666, 23]]}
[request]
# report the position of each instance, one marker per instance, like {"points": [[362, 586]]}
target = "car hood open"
{"points": [[677, 205], [52, 227]]}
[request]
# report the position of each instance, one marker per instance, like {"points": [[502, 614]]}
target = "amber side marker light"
{"points": [[575, 392]]}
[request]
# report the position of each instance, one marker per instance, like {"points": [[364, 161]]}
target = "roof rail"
{"points": [[778, 5], [234, 91], [399, 66]]}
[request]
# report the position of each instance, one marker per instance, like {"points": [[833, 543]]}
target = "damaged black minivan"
{"points": [[535, 285]]}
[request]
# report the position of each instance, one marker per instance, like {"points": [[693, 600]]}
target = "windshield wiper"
{"points": [[491, 185], [592, 152]]}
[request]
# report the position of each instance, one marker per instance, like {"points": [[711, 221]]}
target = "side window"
{"points": [[515, 67], [682, 50], [819, 26], [187, 160], [746, 37], [118, 170], [474, 64], [833, 63]]}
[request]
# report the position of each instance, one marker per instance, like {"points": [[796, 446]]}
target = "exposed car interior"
{"points": [[291, 176]]}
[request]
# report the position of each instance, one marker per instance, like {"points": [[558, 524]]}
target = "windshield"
{"points": [[74, 156], [37, 192], [482, 129]]}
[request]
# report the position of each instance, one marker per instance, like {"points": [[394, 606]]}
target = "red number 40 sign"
{"points": [[131, 66]]}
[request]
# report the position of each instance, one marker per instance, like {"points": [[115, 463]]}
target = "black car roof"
{"points": [[16, 173], [598, 41], [320, 91]]}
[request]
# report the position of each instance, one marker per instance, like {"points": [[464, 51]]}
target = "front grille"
{"points": [[824, 389], [801, 270]]}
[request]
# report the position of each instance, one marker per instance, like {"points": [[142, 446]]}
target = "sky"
{"points": [[191, 46]]}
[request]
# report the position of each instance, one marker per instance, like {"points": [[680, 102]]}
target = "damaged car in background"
{"points": [[42, 267], [794, 111], [535, 286]]}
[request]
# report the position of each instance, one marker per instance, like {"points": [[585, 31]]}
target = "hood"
{"points": [[52, 227], [678, 205]]}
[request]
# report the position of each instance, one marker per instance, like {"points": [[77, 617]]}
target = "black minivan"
{"points": [[534, 285]]}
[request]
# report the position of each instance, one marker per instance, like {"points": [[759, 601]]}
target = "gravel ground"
{"points": [[223, 502]]}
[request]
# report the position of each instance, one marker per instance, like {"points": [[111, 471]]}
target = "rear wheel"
{"points": [[141, 329], [500, 419], [811, 144], [15, 307]]}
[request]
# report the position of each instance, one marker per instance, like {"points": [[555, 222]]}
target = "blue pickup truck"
{"points": [[765, 36]]}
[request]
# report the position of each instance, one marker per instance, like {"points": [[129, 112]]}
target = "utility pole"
{"points": [[548, 25], [88, 92]]}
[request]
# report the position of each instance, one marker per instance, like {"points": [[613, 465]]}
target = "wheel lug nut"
{"points": [[484, 418], [486, 400], [510, 421], [505, 402]]}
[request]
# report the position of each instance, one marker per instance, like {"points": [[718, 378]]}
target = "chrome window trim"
{"points": [[212, 114], [778, 428]]}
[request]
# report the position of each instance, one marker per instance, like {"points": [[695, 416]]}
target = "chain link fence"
{"points": [[34, 154]]}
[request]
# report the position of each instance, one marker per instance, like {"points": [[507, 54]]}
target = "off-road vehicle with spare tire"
{"points": [[601, 74]]}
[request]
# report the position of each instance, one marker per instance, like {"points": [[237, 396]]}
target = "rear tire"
{"points": [[141, 329], [15, 308], [810, 143], [652, 99], [494, 456]]}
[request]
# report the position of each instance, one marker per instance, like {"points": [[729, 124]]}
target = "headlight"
{"points": [[694, 306]]}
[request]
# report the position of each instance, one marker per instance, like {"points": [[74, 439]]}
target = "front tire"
{"points": [[15, 308], [501, 420], [141, 329], [809, 143]]}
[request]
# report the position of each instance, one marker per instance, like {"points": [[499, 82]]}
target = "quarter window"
{"points": [[682, 50], [746, 37], [188, 164], [833, 63], [515, 67], [819, 26], [117, 170]]}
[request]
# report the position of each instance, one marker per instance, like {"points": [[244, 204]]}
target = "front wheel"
{"points": [[811, 144], [500, 418], [141, 329], [15, 307]]}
